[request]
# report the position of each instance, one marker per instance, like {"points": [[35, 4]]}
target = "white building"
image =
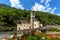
{"points": [[34, 23], [23, 25]]}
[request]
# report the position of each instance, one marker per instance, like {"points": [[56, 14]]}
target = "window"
{"points": [[20, 22], [30, 27], [35, 20], [35, 24], [24, 25], [33, 13], [19, 28]]}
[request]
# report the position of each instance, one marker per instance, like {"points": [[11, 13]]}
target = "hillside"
{"points": [[9, 15]]}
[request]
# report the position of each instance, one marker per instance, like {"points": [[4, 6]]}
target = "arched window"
{"points": [[19, 28], [35, 24]]}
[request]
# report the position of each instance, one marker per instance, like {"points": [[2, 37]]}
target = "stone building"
{"points": [[23, 24], [33, 23]]}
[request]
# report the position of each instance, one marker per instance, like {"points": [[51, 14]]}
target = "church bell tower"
{"points": [[32, 18]]}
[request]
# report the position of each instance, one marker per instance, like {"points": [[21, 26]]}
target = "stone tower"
{"points": [[32, 18]]}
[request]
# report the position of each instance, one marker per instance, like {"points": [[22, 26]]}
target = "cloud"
{"points": [[38, 7], [47, 1], [58, 14], [44, 8], [52, 11], [16, 4], [42, 1]]}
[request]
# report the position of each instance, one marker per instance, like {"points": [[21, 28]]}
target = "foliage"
{"points": [[10, 15], [54, 30], [36, 37], [33, 36], [10, 39]]}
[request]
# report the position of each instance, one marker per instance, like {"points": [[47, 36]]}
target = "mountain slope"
{"points": [[9, 15]]}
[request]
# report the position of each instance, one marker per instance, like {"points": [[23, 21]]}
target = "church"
{"points": [[32, 24]]}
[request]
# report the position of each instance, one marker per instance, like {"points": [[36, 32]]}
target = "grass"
{"points": [[54, 30]]}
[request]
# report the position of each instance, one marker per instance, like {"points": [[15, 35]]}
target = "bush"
{"points": [[54, 30]]}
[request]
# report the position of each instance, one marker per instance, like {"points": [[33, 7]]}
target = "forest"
{"points": [[10, 15]]}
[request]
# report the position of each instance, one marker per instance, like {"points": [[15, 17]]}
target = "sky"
{"points": [[51, 6]]}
